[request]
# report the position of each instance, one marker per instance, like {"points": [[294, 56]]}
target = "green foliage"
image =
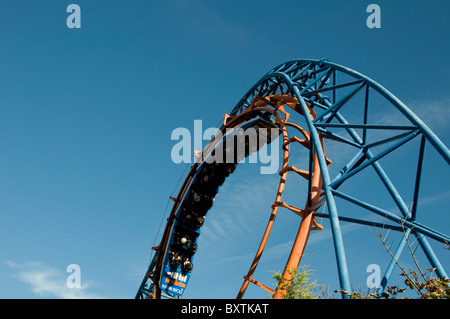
{"points": [[424, 284], [301, 286]]}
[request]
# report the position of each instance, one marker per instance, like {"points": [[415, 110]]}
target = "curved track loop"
{"points": [[326, 96]]}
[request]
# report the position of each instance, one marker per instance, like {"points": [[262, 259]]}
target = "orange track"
{"points": [[308, 222]]}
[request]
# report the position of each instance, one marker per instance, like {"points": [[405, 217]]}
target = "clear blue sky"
{"points": [[86, 117]]}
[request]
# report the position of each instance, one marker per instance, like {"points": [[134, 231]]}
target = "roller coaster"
{"points": [[316, 106]]}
